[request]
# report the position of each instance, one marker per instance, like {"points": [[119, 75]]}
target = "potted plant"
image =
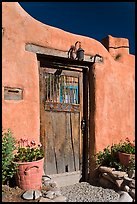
{"points": [[111, 156], [29, 158], [126, 151]]}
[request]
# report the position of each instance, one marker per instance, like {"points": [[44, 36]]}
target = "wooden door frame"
{"points": [[52, 61], [85, 163]]}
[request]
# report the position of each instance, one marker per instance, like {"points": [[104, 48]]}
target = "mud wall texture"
{"points": [[114, 82]]}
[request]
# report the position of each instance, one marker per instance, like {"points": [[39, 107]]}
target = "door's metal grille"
{"points": [[61, 89]]}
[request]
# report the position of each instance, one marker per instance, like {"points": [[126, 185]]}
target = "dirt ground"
{"points": [[13, 194]]}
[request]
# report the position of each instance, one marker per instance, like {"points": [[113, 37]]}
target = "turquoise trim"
{"points": [[71, 88]]}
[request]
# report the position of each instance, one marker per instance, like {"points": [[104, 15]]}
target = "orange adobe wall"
{"points": [[114, 78], [115, 95]]}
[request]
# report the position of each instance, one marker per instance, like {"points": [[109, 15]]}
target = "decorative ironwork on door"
{"points": [[62, 92]]}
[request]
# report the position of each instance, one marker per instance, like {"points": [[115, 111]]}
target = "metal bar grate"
{"points": [[61, 89]]}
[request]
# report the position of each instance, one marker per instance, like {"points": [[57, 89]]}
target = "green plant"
{"points": [[131, 165], [8, 146], [28, 151], [127, 146], [109, 156]]}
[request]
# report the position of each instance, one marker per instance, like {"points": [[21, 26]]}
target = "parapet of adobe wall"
{"points": [[114, 80]]}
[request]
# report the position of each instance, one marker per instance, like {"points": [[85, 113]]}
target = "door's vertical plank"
{"points": [[72, 142], [56, 88], [47, 87], [69, 158], [76, 138], [51, 160], [52, 88], [58, 122], [80, 96], [42, 110]]}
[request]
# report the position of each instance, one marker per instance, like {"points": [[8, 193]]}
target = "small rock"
{"points": [[56, 191], [60, 199], [106, 175], [126, 178], [50, 183], [46, 200], [16, 187], [50, 194], [53, 184], [132, 184], [106, 183], [46, 178], [118, 174], [126, 188], [5, 188], [37, 194], [132, 193], [127, 181], [131, 174], [46, 188], [105, 169], [119, 182], [125, 197], [28, 195]]}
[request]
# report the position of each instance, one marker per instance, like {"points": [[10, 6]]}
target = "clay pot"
{"points": [[125, 158], [29, 174]]}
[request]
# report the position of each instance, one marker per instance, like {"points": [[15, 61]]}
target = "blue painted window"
{"points": [[69, 94]]}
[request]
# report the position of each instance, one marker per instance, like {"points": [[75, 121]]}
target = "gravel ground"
{"points": [[85, 192]]}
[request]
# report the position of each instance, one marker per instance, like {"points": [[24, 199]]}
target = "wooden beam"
{"points": [[45, 51]]}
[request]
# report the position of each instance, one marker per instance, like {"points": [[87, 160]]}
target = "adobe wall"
{"points": [[114, 79]]}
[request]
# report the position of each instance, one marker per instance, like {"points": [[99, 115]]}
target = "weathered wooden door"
{"points": [[61, 111]]}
